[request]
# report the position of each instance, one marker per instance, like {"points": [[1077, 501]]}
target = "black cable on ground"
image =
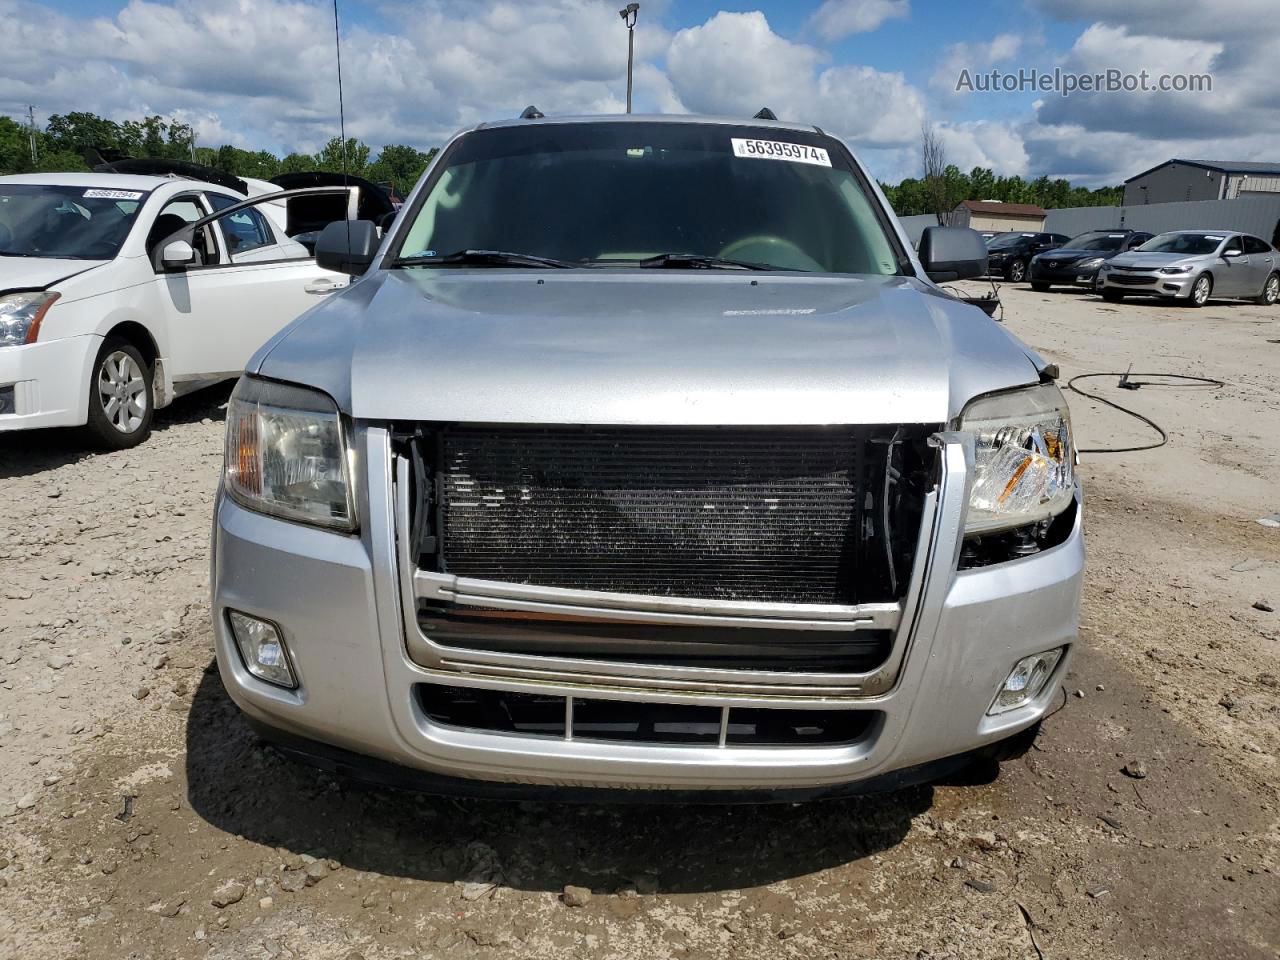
{"points": [[1185, 379]]}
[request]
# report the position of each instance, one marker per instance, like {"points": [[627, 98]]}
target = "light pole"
{"points": [[628, 15]]}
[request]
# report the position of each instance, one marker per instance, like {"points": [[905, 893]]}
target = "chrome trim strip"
{"points": [[634, 606]]}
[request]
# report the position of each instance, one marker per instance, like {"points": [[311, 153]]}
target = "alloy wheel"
{"points": [[1272, 292], [122, 390], [1200, 292], [1017, 271]]}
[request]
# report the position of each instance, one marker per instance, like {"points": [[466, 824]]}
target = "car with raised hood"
{"points": [[644, 454], [1076, 262], [120, 291], [1009, 253], [1193, 265]]}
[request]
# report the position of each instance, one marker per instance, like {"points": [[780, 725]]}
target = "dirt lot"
{"points": [[138, 817]]}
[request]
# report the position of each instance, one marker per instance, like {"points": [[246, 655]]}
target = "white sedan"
{"points": [[100, 326]]}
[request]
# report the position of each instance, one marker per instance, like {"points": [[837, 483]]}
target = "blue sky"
{"points": [[260, 72]]}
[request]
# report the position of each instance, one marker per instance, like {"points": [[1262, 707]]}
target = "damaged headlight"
{"points": [[286, 454], [1024, 461], [20, 315]]}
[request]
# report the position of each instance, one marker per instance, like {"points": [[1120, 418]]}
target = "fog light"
{"points": [[262, 649], [1025, 681]]}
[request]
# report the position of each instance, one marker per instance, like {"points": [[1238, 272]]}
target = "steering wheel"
{"points": [[773, 250]]}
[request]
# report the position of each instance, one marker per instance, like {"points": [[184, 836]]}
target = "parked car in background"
{"points": [[701, 486], [1076, 262], [1193, 265], [1009, 253], [120, 292]]}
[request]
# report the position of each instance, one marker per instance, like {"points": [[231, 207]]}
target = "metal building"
{"points": [[1179, 180]]}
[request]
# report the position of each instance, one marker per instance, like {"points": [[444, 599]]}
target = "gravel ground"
{"points": [[139, 818]]}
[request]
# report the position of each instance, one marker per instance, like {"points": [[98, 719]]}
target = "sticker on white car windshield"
{"points": [[777, 150], [113, 194]]}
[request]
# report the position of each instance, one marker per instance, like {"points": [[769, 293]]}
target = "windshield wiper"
{"points": [[484, 258], [698, 261]]}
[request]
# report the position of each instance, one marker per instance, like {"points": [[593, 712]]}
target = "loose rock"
{"points": [[1135, 769], [230, 892], [576, 896]]}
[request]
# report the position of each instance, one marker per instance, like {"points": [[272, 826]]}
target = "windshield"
{"points": [[1097, 240], [1192, 244], [600, 194], [1007, 240], [75, 223]]}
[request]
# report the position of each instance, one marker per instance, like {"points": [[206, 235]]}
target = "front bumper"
{"points": [[339, 603], [1147, 284], [1070, 275], [50, 382]]}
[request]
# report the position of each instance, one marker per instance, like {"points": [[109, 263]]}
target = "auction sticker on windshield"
{"points": [[113, 194], [777, 150]]}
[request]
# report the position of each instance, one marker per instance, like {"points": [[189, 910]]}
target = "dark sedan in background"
{"points": [[1076, 262], [1009, 253]]}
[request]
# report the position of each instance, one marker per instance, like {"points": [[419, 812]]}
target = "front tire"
{"points": [[1016, 272], [1039, 286], [121, 403], [1270, 291], [1201, 290]]}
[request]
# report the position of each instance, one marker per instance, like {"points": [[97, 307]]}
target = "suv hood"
{"points": [[38, 273], [623, 347]]}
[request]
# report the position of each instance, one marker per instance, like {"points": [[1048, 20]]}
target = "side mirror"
{"points": [[177, 255], [952, 253], [1235, 252], [347, 246]]}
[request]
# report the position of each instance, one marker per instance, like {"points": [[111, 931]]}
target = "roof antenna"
{"points": [[764, 113], [342, 121], [531, 113]]}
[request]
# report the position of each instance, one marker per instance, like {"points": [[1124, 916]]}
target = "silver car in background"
{"points": [[1194, 265]]}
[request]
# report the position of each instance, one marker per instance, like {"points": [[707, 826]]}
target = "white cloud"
{"points": [[837, 19], [265, 68], [1105, 137], [974, 57], [708, 69], [985, 143]]}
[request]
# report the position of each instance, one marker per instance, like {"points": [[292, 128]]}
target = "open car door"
{"points": [[223, 305]]}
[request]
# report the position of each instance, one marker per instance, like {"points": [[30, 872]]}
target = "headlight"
{"points": [[286, 454], [1024, 465], [1183, 269], [20, 315], [1090, 263]]}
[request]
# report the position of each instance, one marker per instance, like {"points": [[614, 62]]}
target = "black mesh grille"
{"points": [[772, 514]]}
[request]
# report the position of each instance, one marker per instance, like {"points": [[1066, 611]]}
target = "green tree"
{"points": [[79, 131], [330, 158], [400, 164], [298, 163], [15, 147]]}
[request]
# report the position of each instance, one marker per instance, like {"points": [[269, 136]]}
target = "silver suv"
{"points": [[645, 454]]}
